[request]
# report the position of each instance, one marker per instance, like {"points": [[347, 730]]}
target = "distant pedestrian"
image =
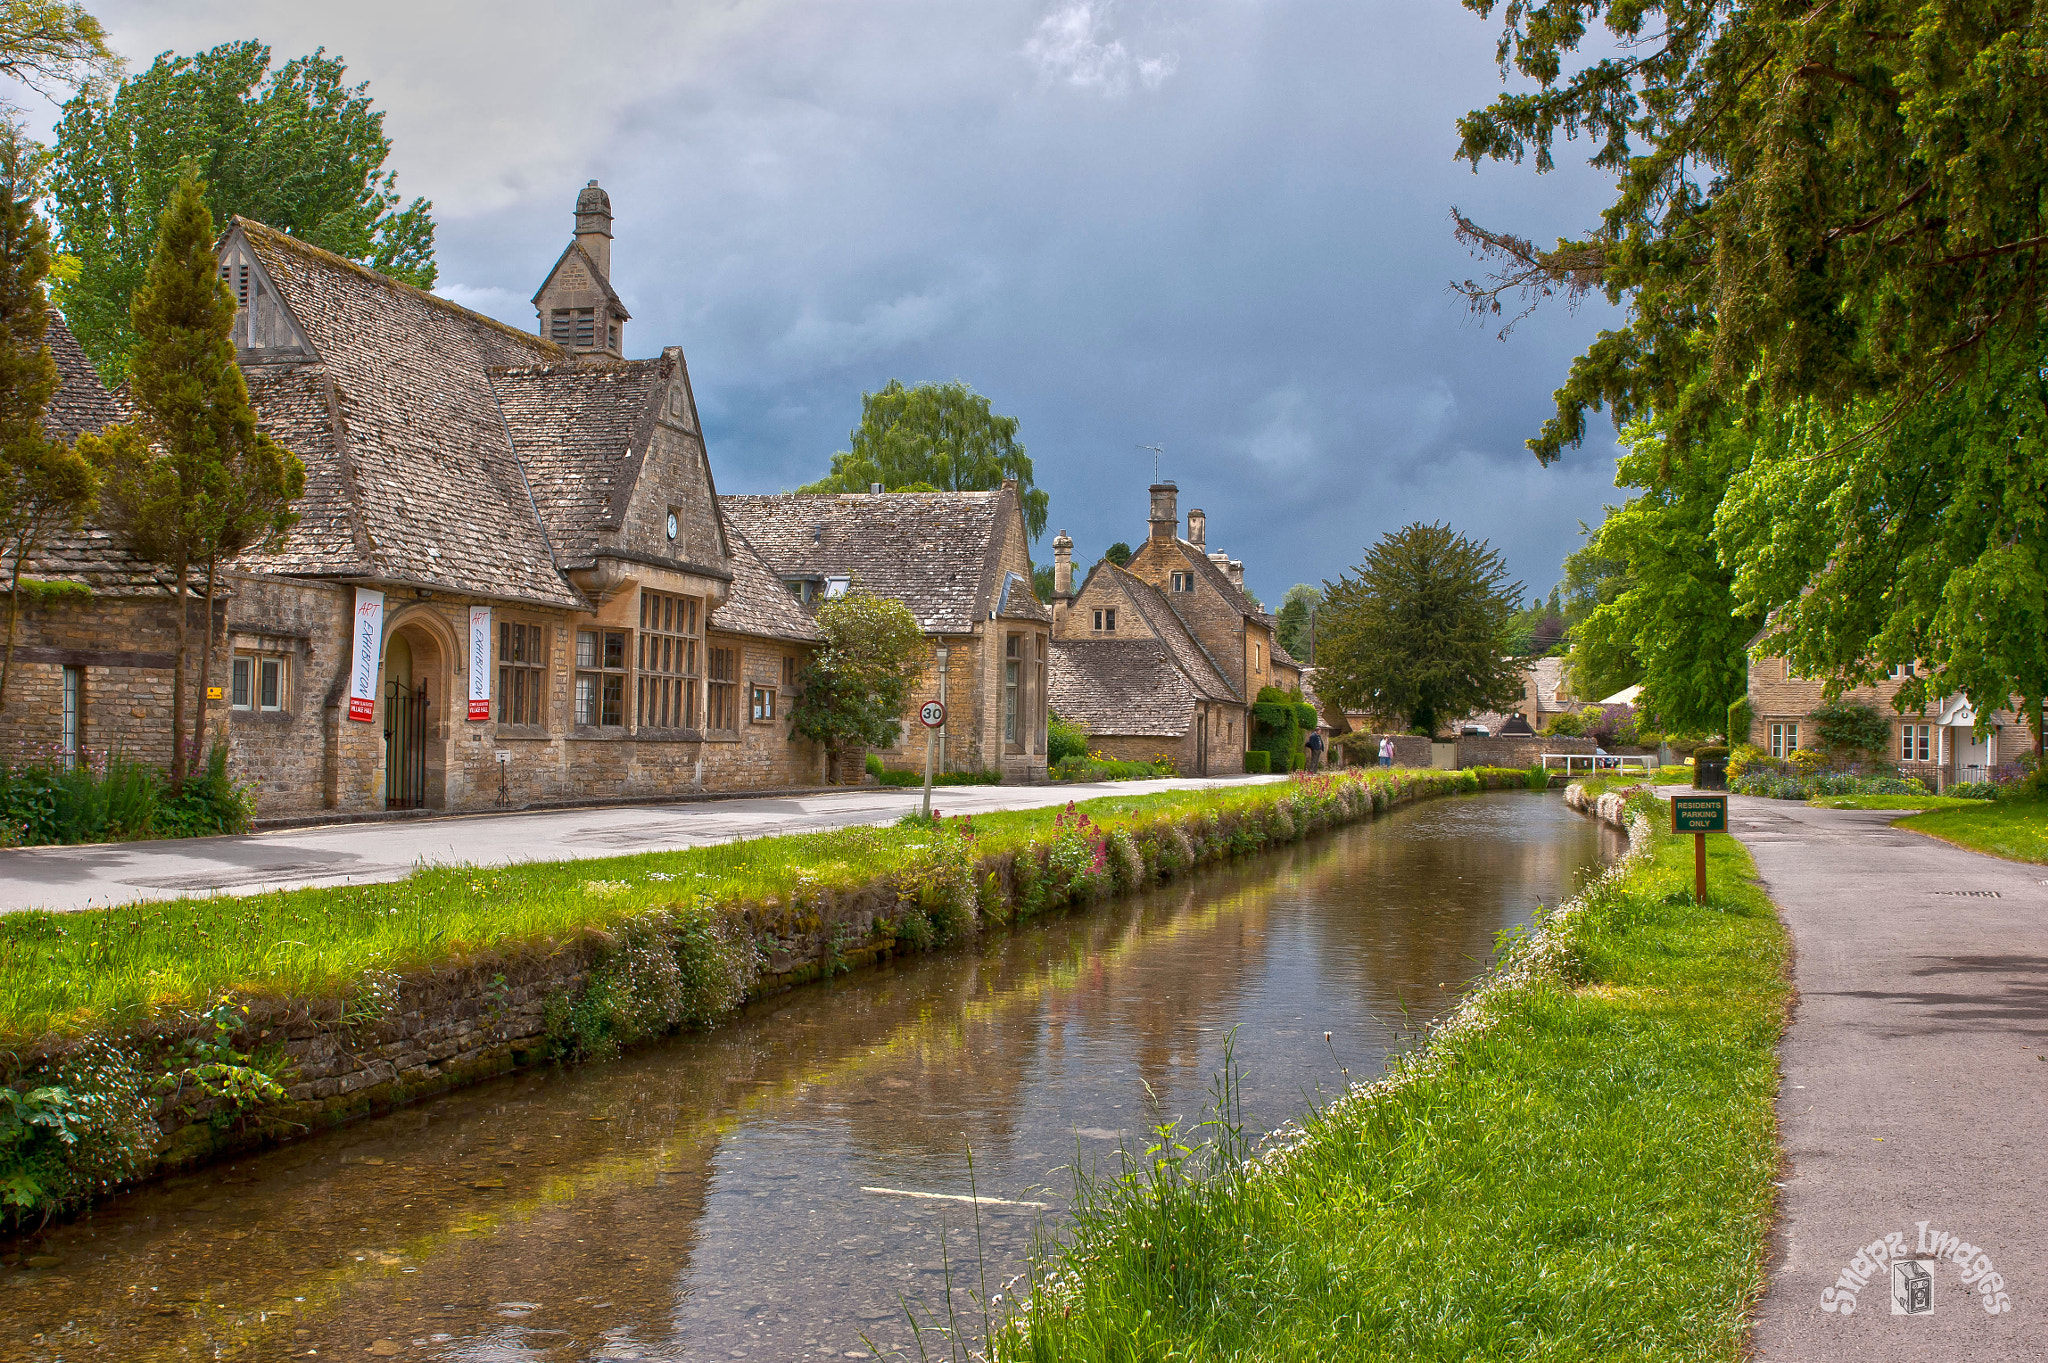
{"points": [[1386, 752], [1315, 750]]}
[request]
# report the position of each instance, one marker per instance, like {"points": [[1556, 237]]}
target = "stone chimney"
{"points": [[594, 226], [1165, 511], [1062, 565], [1236, 571], [1198, 528]]}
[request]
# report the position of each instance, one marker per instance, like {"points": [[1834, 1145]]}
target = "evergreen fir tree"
{"points": [[192, 483]]}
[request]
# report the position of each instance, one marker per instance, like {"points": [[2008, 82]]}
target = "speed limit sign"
{"points": [[933, 714]]}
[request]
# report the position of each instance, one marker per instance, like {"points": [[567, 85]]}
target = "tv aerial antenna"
{"points": [[1157, 451]]}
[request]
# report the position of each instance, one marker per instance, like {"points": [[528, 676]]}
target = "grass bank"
{"points": [[2015, 829], [1893, 802], [1578, 1166], [140, 1038]]}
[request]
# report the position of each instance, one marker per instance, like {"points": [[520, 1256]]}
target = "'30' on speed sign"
{"points": [[932, 715]]}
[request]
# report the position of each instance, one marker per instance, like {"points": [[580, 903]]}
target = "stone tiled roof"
{"points": [[936, 552], [1203, 672], [81, 402], [572, 425], [1282, 656], [1220, 580], [760, 604], [1120, 687], [1549, 675], [415, 449], [89, 554], [1019, 601]]}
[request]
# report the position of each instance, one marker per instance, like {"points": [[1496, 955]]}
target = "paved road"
{"points": [[114, 873], [1914, 1084]]}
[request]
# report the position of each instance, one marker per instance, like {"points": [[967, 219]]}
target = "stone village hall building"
{"points": [[512, 580]]}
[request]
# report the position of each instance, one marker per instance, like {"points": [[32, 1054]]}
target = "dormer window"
{"points": [[836, 586]]}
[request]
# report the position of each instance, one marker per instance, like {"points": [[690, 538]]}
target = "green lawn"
{"points": [[2014, 829], [1892, 802], [1587, 1176]]}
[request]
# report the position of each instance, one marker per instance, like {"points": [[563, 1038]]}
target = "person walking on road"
{"points": [[1315, 750], [1386, 752]]}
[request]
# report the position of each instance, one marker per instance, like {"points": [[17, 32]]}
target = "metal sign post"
{"points": [[1699, 815], [932, 715]]}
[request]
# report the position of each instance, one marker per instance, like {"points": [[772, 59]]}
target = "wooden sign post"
{"points": [[1699, 815]]}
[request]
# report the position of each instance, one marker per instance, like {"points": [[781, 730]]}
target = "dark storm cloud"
{"points": [[1219, 226]]}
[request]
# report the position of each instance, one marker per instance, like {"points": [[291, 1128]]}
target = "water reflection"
{"points": [[775, 1189]]}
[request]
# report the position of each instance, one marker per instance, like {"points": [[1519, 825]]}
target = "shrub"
{"points": [[874, 765], [109, 798], [1852, 727], [209, 804], [1537, 778], [1973, 790], [1063, 739], [1740, 718], [1257, 762]]}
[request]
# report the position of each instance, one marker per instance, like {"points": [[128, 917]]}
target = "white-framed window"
{"points": [[74, 715], [1916, 742], [1105, 620], [1784, 739], [1258, 657], [761, 703], [1182, 582], [1903, 671], [1013, 676], [259, 682]]}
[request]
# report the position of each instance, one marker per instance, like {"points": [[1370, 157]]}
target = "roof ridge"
{"points": [[320, 255], [1146, 603]]}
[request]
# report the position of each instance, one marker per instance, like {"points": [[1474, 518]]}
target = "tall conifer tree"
{"points": [[192, 483], [45, 485]]}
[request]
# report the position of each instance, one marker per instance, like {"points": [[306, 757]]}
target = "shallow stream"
{"points": [[780, 1187]]}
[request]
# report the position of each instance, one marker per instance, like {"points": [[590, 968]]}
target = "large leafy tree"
{"points": [[1925, 544], [49, 45], [192, 483], [934, 437], [45, 484], [1294, 621], [1839, 201], [296, 147], [1671, 621], [1420, 630], [853, 688]]}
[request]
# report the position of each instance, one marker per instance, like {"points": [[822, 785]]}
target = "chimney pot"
{"points": [[1198, 528], [1062, 565], [874, 489], [1165, 511]]}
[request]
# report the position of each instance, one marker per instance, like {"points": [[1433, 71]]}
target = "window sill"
{"points": [[654, 735], [517, 733], [600, 733], [259, 716]]}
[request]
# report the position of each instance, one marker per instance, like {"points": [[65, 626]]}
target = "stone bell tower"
{"points": [[576, 306]]}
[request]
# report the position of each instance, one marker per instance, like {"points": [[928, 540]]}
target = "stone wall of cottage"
{"points": [[124, 649], [963, 695], [1216, 622]]}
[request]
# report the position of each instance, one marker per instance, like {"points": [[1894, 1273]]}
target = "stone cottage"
{"points": [[1938, 743], [961, 562], [1189, 605], [511, 580]]}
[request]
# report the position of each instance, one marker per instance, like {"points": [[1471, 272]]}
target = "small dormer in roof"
{"points": [[576, 306]]}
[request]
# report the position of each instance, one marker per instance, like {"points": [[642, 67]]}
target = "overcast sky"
{"points": [[1219, 226]]}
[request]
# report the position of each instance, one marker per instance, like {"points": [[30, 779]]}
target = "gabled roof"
{"points": [[575, 248], [1120, 687], [936, 552], [574, 427], [1203, 672], [81, 402], [760, 604], [415, 452], [1220, 580], [1283, 657]]}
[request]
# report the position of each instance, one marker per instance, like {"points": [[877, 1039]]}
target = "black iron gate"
{"points": [[405, 745]]}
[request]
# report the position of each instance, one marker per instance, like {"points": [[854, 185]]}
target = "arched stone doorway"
{"points": [[414, 695]]}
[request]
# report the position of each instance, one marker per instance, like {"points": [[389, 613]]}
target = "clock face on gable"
{"points": [[671, 525]]}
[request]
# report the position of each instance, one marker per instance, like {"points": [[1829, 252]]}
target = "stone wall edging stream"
{"points": [[410, 1036]]}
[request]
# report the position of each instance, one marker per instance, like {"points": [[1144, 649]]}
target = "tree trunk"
{"points": [[205, 671], [182, 569]]}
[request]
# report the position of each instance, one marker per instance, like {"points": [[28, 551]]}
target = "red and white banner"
{"points": [[367, 651], [479, 663]]}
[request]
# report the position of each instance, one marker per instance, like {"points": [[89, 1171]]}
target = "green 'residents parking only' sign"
{"points": [[1699, 813]]}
